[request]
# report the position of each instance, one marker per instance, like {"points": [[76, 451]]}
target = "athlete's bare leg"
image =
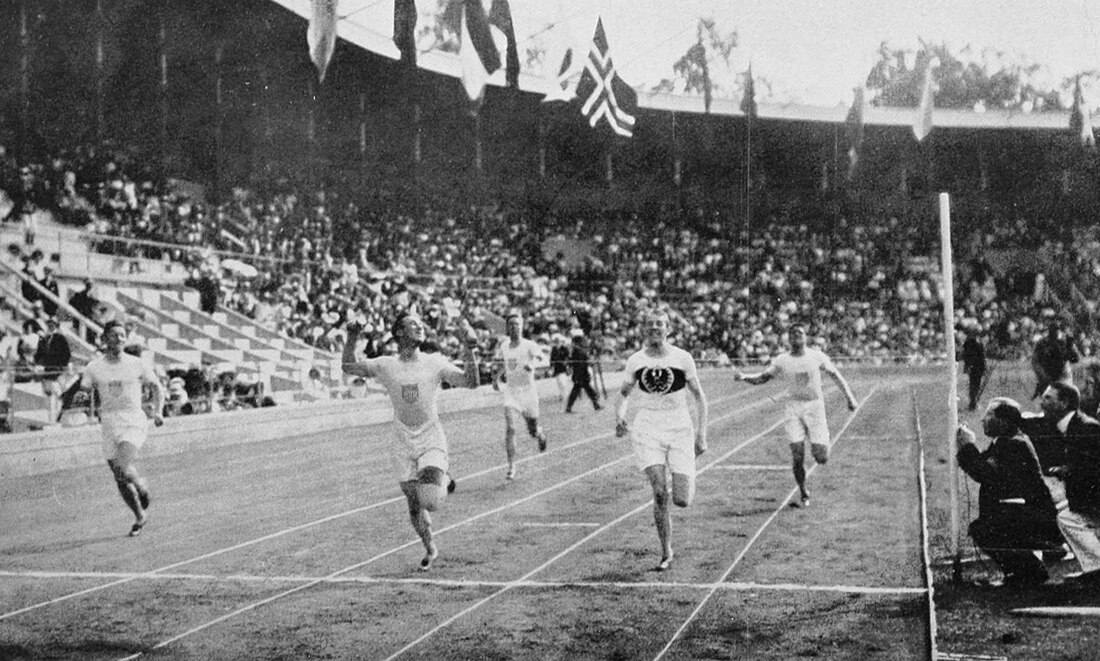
{"points": [[661, 515]]}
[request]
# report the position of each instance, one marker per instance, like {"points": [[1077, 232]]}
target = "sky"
{"points": [[811, 51]]}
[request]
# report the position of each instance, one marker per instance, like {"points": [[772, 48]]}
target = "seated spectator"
{"points": [[1016, 514]]}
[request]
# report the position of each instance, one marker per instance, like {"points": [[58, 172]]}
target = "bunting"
{"points": [[500, 16], [404, 30], [922, 124], [854, 125], [1079, 120], [605, 94], [561, 53], [697, 55], [482, 42], [321, 35]]}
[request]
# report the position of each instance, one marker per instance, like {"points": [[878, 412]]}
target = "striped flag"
{"points": [[748, 98], [482, 43], [922, 125], [321, 35], [605, 95]]}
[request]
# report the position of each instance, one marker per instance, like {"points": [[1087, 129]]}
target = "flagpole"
{"points": [[748, 174]]}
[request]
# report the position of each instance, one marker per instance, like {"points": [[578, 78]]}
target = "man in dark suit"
{"points": [[1079, 515], [1016, 514], [973, 360]]}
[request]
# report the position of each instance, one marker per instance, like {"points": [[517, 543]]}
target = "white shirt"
{"points": [[803, 373], [119, 385], [413, 386], [519, 362]]}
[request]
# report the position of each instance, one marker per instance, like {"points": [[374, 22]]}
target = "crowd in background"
{"points": [[869, 290]]}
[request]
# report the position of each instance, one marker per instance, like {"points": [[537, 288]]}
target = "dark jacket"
{"points": [[1082, 471], [1007, 469], [973, 355], [53, 354], [578, 364], [1049, 444]]}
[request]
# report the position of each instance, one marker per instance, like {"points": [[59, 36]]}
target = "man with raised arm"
{"points": [[515, 361], [804, 410], [117, 378], [663, 431], [413, 380]]}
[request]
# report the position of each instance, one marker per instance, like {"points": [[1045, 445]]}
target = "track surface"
{"points": [[301, 548]]}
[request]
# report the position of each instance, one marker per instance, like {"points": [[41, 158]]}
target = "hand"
{"points": [[620, 428], [964, 435], [158, 420], [496, 385], [465, 331], [700, 445], [852, 404], [738, 376]]}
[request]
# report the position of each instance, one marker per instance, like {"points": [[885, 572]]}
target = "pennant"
{"points": [[854, 125], [697, 55], [479, 54], [404, 30], [500, 17], [605, 94], [748, 99], [1079, 120], [562, 53], [321, 35], [922, 125]]}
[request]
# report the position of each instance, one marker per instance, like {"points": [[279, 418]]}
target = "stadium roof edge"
{"points": [[448, 64]]}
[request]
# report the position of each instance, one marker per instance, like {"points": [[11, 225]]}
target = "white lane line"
{"points": [[413, 542], [747, 586], [285, 593], [607, 526], [293, 529], [564, 524], [745, 550], [753, 467]]}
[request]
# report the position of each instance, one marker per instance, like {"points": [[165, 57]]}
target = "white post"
{"points": [[946, 264]]}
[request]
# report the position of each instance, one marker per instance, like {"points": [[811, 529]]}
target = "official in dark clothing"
{"points": [[580, 371], [53, 353], [1052, 357], [1079, 515], [85, 303], [1016, 514], [973, 360]]}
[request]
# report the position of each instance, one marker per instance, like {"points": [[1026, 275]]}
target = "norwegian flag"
{"points": [[605, 94]]}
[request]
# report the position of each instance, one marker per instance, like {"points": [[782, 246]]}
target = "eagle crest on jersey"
{"points": [[660, 380], [410, 393]]}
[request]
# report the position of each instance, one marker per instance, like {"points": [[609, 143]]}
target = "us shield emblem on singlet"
{"points": [[410, 393]]}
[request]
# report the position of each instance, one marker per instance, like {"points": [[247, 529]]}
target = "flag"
{"points": [[1079, 120], [748, 98], [922, 125], [404, 30], [500, 17], [697, 55], [561, 53], [478, 51], [559, 86], [605, 94], [854, 124], [321, 35]]}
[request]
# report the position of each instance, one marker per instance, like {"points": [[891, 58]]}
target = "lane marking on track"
{"points": [[607, 526], [564, 524], [782, 506], [507, 587], [308, 524], [753, 467], [464, 583]]}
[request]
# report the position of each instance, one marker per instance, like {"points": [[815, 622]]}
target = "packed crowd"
{"points": [[312, 261]]}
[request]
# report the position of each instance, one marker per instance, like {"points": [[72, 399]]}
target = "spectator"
{"points": [[52, 353], [86, 304], [1079, 520], [580, 371], [559, 363], [973, 360], [1052, 357], [1015, 510]]}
